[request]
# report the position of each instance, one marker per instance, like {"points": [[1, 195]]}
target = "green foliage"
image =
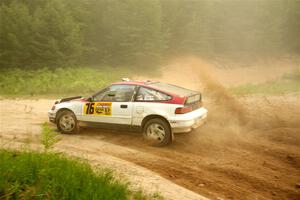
{"points": [[49, 137], [57, 38], [15, 34], [56, 33], [33, 175], [48, 175], [64, 81], [129, 31], [34, 35], [289, 83], [233, 29]]}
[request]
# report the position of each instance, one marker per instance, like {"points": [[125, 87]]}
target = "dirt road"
{"points": [[224, 159], [21, 125], [249, 149]]}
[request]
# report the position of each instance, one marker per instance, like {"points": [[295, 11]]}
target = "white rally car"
{"points": [[156, 109]]}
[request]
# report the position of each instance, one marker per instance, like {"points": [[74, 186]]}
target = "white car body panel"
{"points": [[133, 112], [119, 115], [143, 109], [136, 112], [74, 106], [187, 122]]}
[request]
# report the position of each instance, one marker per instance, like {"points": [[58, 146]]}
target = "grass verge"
{"points": [[49, 137], [31, 175], [62, 81], [35, 175], [48, 175], [289, 83]]}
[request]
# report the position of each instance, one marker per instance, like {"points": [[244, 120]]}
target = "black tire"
{"points": [[72, 126], [153, 137]]}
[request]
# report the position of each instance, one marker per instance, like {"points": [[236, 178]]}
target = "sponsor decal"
{"points": [[98, 108]]}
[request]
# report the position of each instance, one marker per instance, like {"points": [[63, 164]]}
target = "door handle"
{"points": [[124, 106]]}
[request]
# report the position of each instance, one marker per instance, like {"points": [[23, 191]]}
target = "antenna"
{"points": [[125, 79]]}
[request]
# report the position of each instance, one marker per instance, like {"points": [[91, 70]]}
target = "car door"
{"points": [[112, 105]]}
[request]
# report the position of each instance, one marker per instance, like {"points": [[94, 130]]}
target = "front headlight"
{"points": [[53, 107]]}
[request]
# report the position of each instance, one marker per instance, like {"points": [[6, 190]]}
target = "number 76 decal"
{"points": [[97, 108]]}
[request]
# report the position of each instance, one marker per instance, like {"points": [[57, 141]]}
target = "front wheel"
{"points": [[67, 123], [157, 132]]}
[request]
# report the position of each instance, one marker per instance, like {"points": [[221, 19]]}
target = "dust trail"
{"points": [[195, 73], [231, 119], [224, 107], [224, 103]]}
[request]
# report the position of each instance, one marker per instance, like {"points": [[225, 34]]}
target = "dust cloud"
{"points": [[248, 141], [226, 117], [231, 118]]}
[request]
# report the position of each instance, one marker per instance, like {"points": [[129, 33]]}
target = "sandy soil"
{"points": [[21, 125], [249, 149], [220, 160]]}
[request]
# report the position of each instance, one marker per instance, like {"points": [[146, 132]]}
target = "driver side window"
{"points": [[116, 93]]}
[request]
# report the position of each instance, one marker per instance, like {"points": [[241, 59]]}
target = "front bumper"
{"points": [[187, 122], [52, 116]]}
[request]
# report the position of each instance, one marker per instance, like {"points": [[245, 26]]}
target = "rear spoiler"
{"points": [[193, 98], [67, 99]]}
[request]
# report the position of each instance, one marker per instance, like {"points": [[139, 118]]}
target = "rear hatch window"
{"points": [[194, 102], [193, 98], [173, 89]]}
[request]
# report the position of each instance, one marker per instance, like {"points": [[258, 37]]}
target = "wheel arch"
{"points": [[153, 116], [61, 110]]}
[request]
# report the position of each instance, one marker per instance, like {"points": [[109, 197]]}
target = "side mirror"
{"points": [[90, 98]]}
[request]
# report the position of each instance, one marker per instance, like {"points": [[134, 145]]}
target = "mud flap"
{"points": [[172, 136], [77, 130]]}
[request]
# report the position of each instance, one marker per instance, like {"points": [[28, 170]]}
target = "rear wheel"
{"points": [[157, 132], [67, 122]]}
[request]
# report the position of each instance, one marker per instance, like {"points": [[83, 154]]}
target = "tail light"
{"points": [[189, 108], [183, 110]]}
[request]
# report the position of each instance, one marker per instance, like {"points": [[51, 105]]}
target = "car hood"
{"points": [[67, 99]]}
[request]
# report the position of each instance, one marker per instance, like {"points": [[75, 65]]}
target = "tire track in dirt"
{"points": [[218, 160], [249, 149], [233, 182]]}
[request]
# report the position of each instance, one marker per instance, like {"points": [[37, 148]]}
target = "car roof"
{"points": [[163, 87], [131, 83]]}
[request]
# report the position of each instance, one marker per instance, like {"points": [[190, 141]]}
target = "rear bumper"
{"points": [[52, 116], [187, 122]]}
